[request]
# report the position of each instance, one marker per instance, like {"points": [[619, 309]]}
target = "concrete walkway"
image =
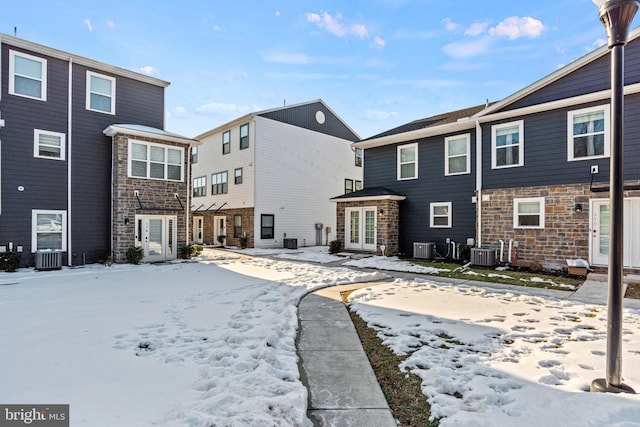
{"points": [[343, 389]]}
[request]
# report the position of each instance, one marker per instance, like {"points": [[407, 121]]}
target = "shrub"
{"points": [[189, 251], [335, 246], [221, 239], [135, 254], [10, 261], [196, 250], [244, 240]]}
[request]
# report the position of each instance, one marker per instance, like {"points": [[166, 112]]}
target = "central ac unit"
{"points": [[483, 256], [423, 250]]}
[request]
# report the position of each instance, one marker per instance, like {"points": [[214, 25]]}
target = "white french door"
{"points": [[600, 233], [360, 228], [198, 223], [157, 236], [219, 229]]}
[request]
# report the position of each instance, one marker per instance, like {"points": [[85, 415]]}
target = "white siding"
{"points": [[297, 171], [211, 160]]}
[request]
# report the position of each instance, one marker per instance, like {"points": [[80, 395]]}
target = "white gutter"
{"points": [[69, 138], [187, 204], [479, 184]]}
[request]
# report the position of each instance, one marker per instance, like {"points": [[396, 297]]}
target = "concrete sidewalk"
{"points": [[343, 389]]}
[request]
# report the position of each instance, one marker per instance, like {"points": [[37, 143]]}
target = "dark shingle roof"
{"points": [[440, 119], [368, 192]]}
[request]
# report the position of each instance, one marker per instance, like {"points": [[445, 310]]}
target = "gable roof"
{"points": [[373, 193], [147, 132], [286, 114]]}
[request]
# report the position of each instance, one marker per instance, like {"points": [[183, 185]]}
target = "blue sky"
{"points": [[376, 63]]}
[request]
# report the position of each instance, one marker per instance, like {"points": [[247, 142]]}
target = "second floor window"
{"points": [[588, 133], [194, 154], [101, 93], [457, 159], [28, 75], [199, 186], [237, 176], [48, 145], [408, 161], [155, 161], [226, 142], [348, 186], [358, 156], [244, 136], [507, 143], [219, 183]]}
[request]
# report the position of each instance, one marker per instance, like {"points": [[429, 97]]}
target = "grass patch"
{"points": [[401, 389], [508, 277], [633, 291]]}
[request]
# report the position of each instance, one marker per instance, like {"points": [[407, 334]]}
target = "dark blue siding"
{"points": [[545, 152], [431, 186], [304, 116], [593, 77]]}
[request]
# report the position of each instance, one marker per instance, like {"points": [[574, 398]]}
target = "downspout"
{"points": [[187, 206], [478, 184], [69, 139]]}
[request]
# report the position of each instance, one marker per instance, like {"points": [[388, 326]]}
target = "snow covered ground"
{"points": [[213, 343]]}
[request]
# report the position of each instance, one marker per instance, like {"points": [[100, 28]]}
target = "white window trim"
{"points": [[34, 227], [113, 92], [432, 207], [494, 129], [467, 137], [607, 132], [36, 144], [398, 166], [12, 83], [516, 202], [166, 163]]}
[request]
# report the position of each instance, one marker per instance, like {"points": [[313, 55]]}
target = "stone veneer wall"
{"points": [[388, 222], [156, 194], [566, 232], [208, 226]]}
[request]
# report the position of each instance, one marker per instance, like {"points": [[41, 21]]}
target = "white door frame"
{"points": [[631, 239], [164, 248], [198, 223], [365, 238], [219, 228]]}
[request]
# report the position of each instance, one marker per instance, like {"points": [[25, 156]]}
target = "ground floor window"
{"points": [[266, 226], [528, 212], [237, 226], [49, 230], [440, 215]]}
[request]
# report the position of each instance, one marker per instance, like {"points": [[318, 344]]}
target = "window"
{"points": [[155, 161], [49, 230], [507, 145], [194, 155], [48, 145], [101, 93], [348, 186], [28, 75], [408, 161], [528, 213], [358, 156], [219, 183], [440, 215], [588, 133], [200, 186], [457, 155], [244, 136], [358, 186], [237, 176], [266, 226], [237, 226], [226, 142]]}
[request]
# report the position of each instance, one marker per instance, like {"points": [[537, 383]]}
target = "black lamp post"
{"points": [[616, 16]]}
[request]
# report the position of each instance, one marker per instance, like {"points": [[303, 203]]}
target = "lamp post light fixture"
{"points": [[616, 16]]}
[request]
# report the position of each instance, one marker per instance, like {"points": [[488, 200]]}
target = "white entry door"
{"points": [[197, 229], [219, 229], [157, 235], [360, 228], [600, 232]]}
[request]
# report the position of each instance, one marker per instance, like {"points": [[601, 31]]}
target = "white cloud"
{"points": [[378, 43], [476, 29], [449, 25], [277, 13], [111, 24], [218, 108], [87, 22], [335, 26], [149, 70], [467, 49], [216, 28], [599, 42], [515, 27], [378, 115], [179, 112]]}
